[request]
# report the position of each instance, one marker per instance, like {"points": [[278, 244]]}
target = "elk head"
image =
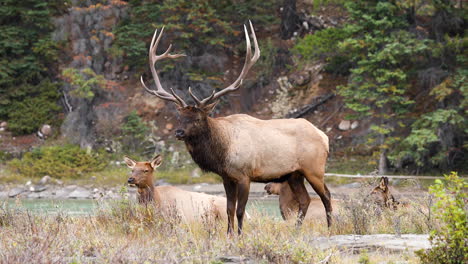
{"points": [[193, 119], [273, 188], [383, 194], [142, 172]]}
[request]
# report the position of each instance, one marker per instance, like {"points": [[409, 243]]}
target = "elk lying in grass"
{"points": [[189, 206], [289, 204], [383, 196], [243, 149]]}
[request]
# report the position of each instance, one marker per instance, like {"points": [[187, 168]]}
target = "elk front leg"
{"points": [[231, 196], [243, 188]]}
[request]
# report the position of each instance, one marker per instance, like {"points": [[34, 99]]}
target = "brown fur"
{"points": [[190, 206], [243, 149], [289, 204]]}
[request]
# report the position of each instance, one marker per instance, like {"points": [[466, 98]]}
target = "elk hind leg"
{"points": [[296, 183], [317, 182]]}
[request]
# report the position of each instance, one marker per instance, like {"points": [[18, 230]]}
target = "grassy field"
{"points": [[123, 232]]}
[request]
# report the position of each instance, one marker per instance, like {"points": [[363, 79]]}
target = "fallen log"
{"points": [[316, 102]]}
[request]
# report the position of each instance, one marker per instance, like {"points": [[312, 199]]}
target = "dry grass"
{"points": [[124, 232]]}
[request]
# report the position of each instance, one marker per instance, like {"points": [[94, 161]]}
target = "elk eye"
{"points": [[146, 171]]}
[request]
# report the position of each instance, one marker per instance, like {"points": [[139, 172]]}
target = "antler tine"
{"points": [[249, 62], [197, 101], [178, 98], [153, 58]]}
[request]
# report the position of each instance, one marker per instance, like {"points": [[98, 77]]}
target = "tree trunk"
{"points": [[289, 19], [383, 163]]}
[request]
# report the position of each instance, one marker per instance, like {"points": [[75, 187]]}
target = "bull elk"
{"points": [[189, 205], [243, 149]]}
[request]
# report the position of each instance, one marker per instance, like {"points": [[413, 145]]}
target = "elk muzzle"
{"points": [[268, 189], [131, 180], [180, 134]]}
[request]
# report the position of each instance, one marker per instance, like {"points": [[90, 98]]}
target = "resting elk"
{"points": [[383, 195], [289, 204], [243, 149], [189, 206]]}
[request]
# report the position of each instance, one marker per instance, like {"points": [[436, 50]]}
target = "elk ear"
{"points": [[383, 183], [130, 163], [156, 161], [209, 107]]}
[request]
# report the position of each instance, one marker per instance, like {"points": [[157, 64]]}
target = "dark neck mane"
{"points": [[146, 195], [209, 148]]}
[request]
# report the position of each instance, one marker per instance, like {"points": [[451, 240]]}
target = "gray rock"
{"points": [[3, 195], [34, 195], [354, 125], [15, 192], [37, 188], [61, 193], [344, 125], [59, 182], [80, 193], [64, 192], [46, 179], [300, 78], [407, 242]]}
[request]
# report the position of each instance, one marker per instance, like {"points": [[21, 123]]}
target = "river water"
{"points": [[78, 207]]}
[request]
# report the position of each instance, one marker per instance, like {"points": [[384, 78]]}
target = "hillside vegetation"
{"points": [[400, 68]]}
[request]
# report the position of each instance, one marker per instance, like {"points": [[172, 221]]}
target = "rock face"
{"points": [[88, 28]]}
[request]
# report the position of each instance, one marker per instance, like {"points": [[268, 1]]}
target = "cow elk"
{"points": [[383, 195], [189, 206], [243, 149]]}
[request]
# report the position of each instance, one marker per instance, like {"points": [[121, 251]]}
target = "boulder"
{"points": [[37, 188], [354, 124], [15, 192], [46, 179], [80, 193], [64, 192], [300, 78], [344, 125]]}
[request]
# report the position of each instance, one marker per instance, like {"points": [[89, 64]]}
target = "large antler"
{"points": [[153, 58], [249, 62]]}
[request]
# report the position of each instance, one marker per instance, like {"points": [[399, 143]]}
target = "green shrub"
{"points": [[58, 161], [85, 82], [449, 240], [134, 132], [321, 45]]}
